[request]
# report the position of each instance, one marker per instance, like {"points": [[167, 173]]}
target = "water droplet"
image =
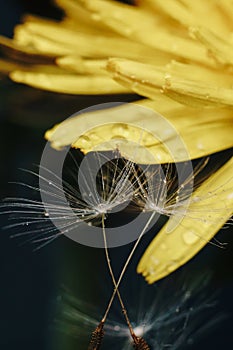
{"points": [[167, 78], [230, 196], [200, 146], [84, 142], [168, 132], [116, 14], [94, 137], [121, 130], [174, 47], [117, 137], [128, 31], [163, 246], [173, 265], [95, 17], [154, 260], [190, 237], [151, 271]]}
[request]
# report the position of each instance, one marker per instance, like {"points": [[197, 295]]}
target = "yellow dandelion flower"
{"points": [[165, 51]]}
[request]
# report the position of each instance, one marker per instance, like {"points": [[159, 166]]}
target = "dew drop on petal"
{"points": [[121, 129], [163, 246], [95, 17], [230, 196], [85, 142], [154, 260], [173, 265], [151, 271], [190, 238], [200, 146]]}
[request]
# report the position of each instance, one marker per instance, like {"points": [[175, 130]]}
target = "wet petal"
{"points": [[126, 20], [81, 65], [24, 54], [219, 47], [148, 80], [192, 13], [169, 251], [58, 39], [203, 131], [68, 83]]}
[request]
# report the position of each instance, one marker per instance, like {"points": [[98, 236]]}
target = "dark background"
{"points": [[30, 281]]}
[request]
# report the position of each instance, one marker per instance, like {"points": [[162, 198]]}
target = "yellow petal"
{"points": [[54, 38], [77, 17], [40, 43], [227, 8], [122, 18], [219, 47], [192, 13], [202, 131], [82, 65], [68, 83], [168, 251], [80, 23], [23, 53], [7, 66], [125, 20], [148, 80]]}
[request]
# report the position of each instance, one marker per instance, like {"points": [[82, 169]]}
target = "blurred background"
{"points": [[31, 281]]}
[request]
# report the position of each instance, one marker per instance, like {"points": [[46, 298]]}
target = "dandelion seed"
{"points": [[110, 190]]}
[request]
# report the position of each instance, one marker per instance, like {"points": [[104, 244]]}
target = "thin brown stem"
{"points": [[115, 284], [97, 335], [127, 263]]}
